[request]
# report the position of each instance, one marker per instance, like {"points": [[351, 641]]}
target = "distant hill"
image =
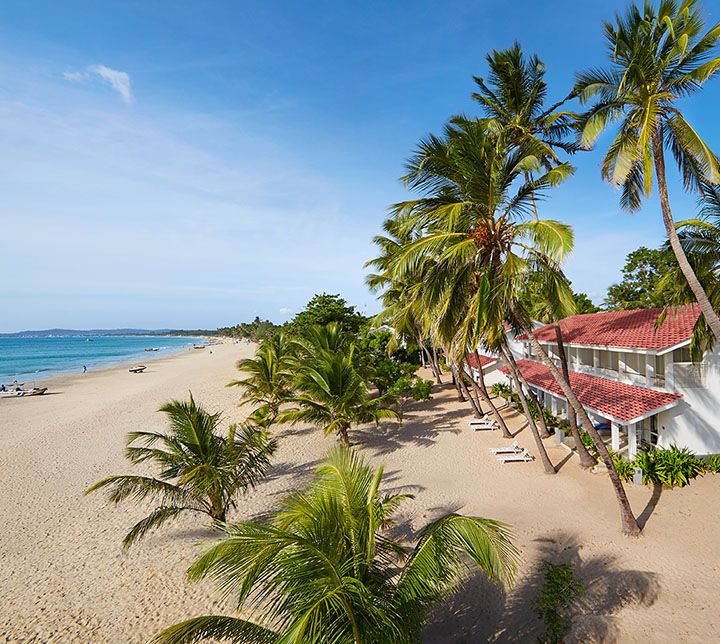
{"points": [[74, 333]]}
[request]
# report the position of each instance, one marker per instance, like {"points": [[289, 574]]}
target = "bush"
{"points": [[589, 443], [625, 468], [421, 389], [559, 592], [713, 464], [501, 389], [672, 466]]}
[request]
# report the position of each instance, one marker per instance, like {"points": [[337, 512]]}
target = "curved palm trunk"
{"points": [[544, 432], [343, 436], [463, 387], [456, 382], [709, 313], [483, 393], [586, 459], [436, 363], [515, 374], [629, 523]]}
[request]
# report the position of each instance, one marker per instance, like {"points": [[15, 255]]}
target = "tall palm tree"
{"points": [[201, 470], [324, 568], [658, 56], [514, 97], [330, 393], [268, 383], [471, 221]]}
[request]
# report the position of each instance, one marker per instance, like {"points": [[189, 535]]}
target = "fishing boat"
{"points": [[18, 392], [153, 349], [139, 369], [198, 346]]}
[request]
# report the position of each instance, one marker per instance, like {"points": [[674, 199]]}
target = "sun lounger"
{"points": [[481, 421], [481, 426], [513, 449], [523, 457]]}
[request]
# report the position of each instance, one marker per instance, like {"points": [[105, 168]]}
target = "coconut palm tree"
{"points": [[470, 215], [201, 470], [658, 56], [514, 97], [330, 393], [268, 383], [325, 568]]}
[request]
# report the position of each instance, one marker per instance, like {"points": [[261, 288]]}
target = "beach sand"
{"points": [[65, 578]]}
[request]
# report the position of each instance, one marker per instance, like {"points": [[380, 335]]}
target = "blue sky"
{"points": [[196, 164]]}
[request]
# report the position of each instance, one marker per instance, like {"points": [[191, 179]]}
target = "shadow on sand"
{"points": [[480, 612]]}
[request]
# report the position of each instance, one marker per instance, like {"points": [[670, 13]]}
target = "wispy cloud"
{"points": [[118, 80]]}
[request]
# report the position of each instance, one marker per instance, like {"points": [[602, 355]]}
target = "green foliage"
{"points": [[639, 288], [625, 468], [713, 464], [324, 309], [583, 304], [329, 392], [256, 330], [321, 568], [671, 466], [588, 442], [559, 592], [421, 389], [376, 364], [501, 389], [200, 469]]}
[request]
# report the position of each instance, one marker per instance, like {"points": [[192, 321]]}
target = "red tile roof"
{"points": [[485, 361], [616, 400], [630, 329]]}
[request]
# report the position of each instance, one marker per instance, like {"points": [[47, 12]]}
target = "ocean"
{"points": [[33, 359]]}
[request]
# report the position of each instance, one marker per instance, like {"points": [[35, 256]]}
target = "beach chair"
{"points": [[522, 457], [478, 426], [513, 449]]}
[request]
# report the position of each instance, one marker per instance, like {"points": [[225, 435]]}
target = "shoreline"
{"points": [[148, 357]]}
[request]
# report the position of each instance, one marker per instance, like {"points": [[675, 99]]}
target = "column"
{"points": [[649, 370], [632, 440], [669, 373], [553, 405], [615, 436], [596, 358]]}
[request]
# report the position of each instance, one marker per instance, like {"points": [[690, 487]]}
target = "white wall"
{"points": [[695, 422]]}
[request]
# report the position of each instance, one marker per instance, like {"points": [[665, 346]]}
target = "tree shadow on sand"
{"points": [[481, 613]]}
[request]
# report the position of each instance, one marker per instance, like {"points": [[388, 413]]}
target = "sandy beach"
{"points": [[65, 578]]}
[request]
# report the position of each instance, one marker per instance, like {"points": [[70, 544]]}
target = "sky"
{"points": [[194, 164]]}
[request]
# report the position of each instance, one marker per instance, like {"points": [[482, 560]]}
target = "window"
{"points": [[659, 371], [585, 357], [609, 360], [634, 363], [682, 355]]}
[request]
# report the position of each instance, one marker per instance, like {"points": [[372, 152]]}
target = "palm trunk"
{"points": [[711, 317], [473, 403], [438, 371], [629, 523], [515, 374], [483, 393], [586, 459], [456, 382], [544, 432], [533, 205], [343, 436]]}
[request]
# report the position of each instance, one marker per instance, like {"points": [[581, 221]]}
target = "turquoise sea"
{"points": [[33, 359]]}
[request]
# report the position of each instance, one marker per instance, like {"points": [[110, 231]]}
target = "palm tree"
{"points": [[485, 258], [658, 56], [268, 384], [514, 97], [200, 470], [330, 393], [324, 567]]}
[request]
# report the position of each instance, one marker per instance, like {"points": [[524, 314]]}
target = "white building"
{"points": [[634, 379]]}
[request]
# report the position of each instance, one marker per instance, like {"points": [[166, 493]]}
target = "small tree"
{"points": [[200, 470], [559, 592], [323, 309]]}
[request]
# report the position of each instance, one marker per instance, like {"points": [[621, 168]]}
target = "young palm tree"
{"points": [[323, 567], [658, 56], [330, 393], [268, 384], [200, 470]]}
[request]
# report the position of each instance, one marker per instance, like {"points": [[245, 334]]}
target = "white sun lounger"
{"points": [[523, 457], [481, 426], [513, 449]]}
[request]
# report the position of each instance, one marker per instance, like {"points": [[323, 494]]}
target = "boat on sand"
{"points": [[138, 369]]}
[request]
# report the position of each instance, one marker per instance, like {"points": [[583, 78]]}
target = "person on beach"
{"points": [[84, 369]]}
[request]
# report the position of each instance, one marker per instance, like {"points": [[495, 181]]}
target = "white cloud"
{"points": [[119, 81], [285, 310]]}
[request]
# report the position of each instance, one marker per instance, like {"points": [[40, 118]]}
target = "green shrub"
{"points": [[588, 442], [672, 466], [559, 592], [421, 389], [713, 464], [625, 468], [501, 389]]}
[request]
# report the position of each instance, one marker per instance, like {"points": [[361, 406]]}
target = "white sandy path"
{"points": [[64, 577]]}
